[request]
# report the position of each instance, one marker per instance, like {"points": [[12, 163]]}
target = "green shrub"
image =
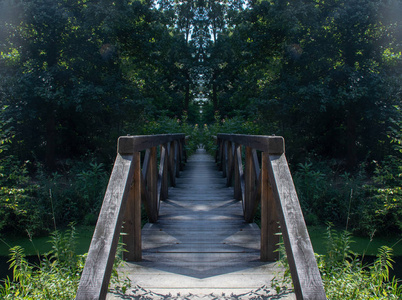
{"points": [[235, 125], [58, 274], [16, 191], [328, 194], [345, 276], [56, 277], [166, 125], [76, 195]]}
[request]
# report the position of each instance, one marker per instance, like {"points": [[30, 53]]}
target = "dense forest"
{"points": [[77, 74]]}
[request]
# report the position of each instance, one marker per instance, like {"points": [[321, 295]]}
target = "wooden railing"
{"points": [[272, 186], [130, 182]]}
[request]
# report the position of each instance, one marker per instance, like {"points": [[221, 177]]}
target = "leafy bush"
{"points": [[344, 274], [165, 125], [56, 277], [387, 187], [235, 125], [58, 274], [75, 195], [346, 277], [331, 196], [16, 191]]}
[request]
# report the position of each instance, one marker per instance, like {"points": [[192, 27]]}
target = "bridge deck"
{"points": [[200, 248]]}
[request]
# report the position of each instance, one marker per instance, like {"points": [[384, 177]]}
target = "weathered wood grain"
{"points": [[241, 178], [163, 174], [132, 144], [305, 275], [230, 164], [152, 204], [237, 187], [249, 186], [269, 144], [132, 217], [98, 267], [269, 218]]}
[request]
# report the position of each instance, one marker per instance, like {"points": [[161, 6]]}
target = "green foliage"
{"points": [[346, 277], [56, 277], [37, 203], [75, 195], [165, 125], [16, 191], [327, 194], [386, 190], [235, 125], [344, 274]]}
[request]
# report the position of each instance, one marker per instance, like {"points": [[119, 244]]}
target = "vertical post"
{"points": [[269, 216], [184, 150], [217, 150], [224, 157], [237, 180], [229, 164], [220, 154], [164, 171], [177, 157], [152, 185], [132, 216], [249, 185], [172, 163]]}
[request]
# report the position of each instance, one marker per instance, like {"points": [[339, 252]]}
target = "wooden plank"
{"points": [[224, 158], [255, 163], [177, 161], [163, 175], [202, 248], [132, 217], [305, 274], [269, 218], [229, 172], [172, 163], [132, 144], [236, 188], [249, 186], [152, 187], [98, 267], [270, 144], [241, 178]]}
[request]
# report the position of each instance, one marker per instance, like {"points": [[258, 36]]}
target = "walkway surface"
{"points": [[200, 248]]}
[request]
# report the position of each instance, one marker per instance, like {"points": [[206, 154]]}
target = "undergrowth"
{"points": [[57, 276], [344, 274]]}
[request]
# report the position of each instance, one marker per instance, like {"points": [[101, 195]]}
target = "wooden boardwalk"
{"points": [[201, 247]]}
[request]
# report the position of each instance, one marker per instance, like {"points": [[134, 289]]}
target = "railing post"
{"points": [[269, 216], [229, 164], [184, 151], [249, 185], [217, 150], [237, 179], [152, 186], [224, 158], [172, 163], [164, 171], [132, 216], [177, 158], [220, 154]]}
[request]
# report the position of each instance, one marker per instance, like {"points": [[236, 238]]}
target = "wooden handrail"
{"points": [[272, 184], [128, 186]]}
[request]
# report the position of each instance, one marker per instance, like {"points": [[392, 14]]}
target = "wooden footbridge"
{"points": [[200, 242]]}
